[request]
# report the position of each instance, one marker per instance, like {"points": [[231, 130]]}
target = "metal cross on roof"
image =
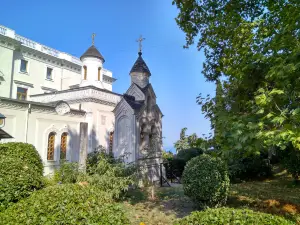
{"points": [[93, 38], [140, 40]]}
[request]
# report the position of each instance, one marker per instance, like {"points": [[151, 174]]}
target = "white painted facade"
{"points": [[67, 70]]}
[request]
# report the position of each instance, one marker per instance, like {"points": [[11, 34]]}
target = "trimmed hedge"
{"points": [[65, 204], [21, 172], [232, 216], [205, 180]]}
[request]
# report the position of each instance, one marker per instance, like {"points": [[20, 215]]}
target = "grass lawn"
{"points": [[276, 196]]}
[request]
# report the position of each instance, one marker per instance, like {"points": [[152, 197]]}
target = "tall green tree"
{"points": [[254, 47]]}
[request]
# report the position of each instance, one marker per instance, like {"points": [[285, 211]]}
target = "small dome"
{"points": [[92, 52], [140, 66]]}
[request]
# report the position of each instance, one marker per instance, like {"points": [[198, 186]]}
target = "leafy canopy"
{"points": [[254, 48]]}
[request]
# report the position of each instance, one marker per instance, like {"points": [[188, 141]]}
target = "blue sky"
{"points": [[67, 25]]}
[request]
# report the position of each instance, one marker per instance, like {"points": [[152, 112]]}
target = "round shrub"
{"points": [[205, 180], [232, 216], [65, 204], [21, 172]]}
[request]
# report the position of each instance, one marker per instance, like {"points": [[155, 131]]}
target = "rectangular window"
{"points": [[49, 73], [21, 93], [24, 66]]}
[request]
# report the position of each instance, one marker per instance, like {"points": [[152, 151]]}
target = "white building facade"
{"points": [[46, 95]]}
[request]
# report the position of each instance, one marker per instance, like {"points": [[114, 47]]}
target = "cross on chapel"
{"points": [[140, 40], [93, 38]]}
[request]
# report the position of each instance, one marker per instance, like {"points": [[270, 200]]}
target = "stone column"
{"points": [[83, 146]]}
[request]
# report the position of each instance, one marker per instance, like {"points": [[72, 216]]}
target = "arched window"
{"points": [[111, 141], [148, 104], [85, 72], [51, 146], [99, 73], [63, 145]]}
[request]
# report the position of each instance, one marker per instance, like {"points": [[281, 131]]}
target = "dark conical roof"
{"points": [[92, 52], [140, 66]]}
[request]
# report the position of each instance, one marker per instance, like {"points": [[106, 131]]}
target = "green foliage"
{"points": [[94, 157], [232, 216], [167, 155], [109, 174], [253, 47], [188, 154], [205, 180], [67, 173], [247, 166], [175, 167], [65, 204], [191, 141], [21, 172], [291, 161]]}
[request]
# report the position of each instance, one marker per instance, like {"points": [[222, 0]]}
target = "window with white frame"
{"points": [[21, 93], [49, 75], [24, 66]]}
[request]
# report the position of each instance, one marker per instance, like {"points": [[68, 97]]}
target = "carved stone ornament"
{"points": [[62, 108]]}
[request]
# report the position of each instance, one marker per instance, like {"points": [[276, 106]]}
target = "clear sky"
{"points": [[67, 25]]}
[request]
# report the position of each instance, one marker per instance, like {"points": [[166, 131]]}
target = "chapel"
{"points": [[66, 107]]}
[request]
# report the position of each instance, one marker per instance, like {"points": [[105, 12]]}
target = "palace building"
{"points": [[65, 106]]}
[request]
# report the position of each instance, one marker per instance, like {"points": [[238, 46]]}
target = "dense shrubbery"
{"points": [[205, 180], [232, 216], [188, 154], [176, 164], [245, 167], [111, 175], [108, 174], [65, 204], [291, 161], [21, 172], [67, 173]]}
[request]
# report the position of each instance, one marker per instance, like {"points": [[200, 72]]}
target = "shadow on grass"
{"points": [[169, 205], [277, 196]]}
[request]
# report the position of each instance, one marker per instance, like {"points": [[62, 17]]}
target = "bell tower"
{"points": [[140, 72], [92, 69]]}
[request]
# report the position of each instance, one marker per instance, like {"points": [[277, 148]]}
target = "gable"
{"points": [[123, 108], [135, 91]]}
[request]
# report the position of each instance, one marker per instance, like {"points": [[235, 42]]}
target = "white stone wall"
{"points": [[125, 133], [6, 56], [100, 119], [35, 127]]}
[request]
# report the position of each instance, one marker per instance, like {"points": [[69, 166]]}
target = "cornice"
{"points": [[50, 60], [84, 94]]}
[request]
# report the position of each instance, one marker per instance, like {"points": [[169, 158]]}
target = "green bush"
{"points": [[65, 204], [21, 172], [98, 154], [67, 173], [111, 175], [205, 180], [291, 161], [246, 167], [188, 154], [232, 216], [175, 166]]}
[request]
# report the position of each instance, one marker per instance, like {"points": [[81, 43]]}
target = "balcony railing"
{"points": [[2, 30], [50, 51], [26, 41]]}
